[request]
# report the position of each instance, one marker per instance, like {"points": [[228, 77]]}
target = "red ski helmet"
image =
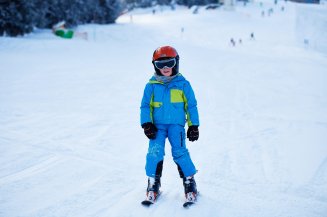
{"points": [[165, 52]]}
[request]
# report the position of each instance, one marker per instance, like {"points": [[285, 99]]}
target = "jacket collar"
{"points": [[156, 80]]}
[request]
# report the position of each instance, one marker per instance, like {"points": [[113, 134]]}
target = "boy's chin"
{"points": [[167, 74]]}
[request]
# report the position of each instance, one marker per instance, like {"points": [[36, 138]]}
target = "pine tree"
{"points": [[106, 11], [17, 17]]}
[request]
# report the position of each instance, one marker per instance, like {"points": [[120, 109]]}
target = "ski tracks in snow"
{"points": [[33, 170]]}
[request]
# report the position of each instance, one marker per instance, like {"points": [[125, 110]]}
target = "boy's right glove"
{"points": [[150, 130], [193, 133]]}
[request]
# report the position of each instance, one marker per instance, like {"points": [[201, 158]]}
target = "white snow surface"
{"points": [[311, 19], [70, 139]]}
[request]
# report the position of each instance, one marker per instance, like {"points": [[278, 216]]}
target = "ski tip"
{"points": [[146, 203], [188, 204]]}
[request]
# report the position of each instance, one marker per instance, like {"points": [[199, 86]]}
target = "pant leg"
{"points": [[156, 152], [181, 156]]}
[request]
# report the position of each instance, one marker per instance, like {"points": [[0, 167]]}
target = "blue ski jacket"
{"points": [[169, 103]]}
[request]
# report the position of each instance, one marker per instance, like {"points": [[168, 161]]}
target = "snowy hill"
{"points": [[70, 139], [311, 22]]}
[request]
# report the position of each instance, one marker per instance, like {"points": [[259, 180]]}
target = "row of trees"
{"points": [[18, 17]]}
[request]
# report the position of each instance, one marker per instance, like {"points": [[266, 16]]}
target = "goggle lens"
{"points": [[160, 64]]}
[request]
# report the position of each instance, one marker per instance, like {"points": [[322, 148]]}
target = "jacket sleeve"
{"points": [[191, 106], [146, 107]]}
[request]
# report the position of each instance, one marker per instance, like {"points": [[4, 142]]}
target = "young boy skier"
{"points": [[168, 103]]}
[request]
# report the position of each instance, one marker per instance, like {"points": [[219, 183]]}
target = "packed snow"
{"points": [[70, 138]]}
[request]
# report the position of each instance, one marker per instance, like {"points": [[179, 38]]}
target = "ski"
{"points": [[147, 203], [188, 204], [151, 199]]}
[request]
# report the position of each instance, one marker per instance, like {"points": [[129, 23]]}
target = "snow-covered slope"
{"points": [[70, 140], [311, 23]]}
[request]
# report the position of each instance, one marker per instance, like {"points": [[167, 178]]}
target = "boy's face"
{"points": [[166, 71]]}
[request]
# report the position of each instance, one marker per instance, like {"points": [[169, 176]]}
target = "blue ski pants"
{"points": [[156, 151]]}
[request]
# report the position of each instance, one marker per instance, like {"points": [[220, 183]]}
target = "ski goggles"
{"points": [[169, 63]]}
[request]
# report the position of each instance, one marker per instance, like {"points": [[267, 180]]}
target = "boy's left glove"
{"points": [[193, 133]]}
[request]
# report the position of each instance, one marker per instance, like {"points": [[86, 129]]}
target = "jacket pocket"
{"points": [[156, 104], [176, 96]]}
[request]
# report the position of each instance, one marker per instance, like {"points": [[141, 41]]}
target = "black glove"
{"points": [[150, 130], [193, 133]]}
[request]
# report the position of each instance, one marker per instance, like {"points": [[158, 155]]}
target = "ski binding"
{"points": [[190, 199], [151, 198]]}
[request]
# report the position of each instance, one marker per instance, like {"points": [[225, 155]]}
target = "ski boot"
{"points": [[152, 191], [190, 190]]}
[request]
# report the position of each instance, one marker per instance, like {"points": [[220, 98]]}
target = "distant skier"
{"points": [[232, 42], [252, 36], [168, 103]]}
